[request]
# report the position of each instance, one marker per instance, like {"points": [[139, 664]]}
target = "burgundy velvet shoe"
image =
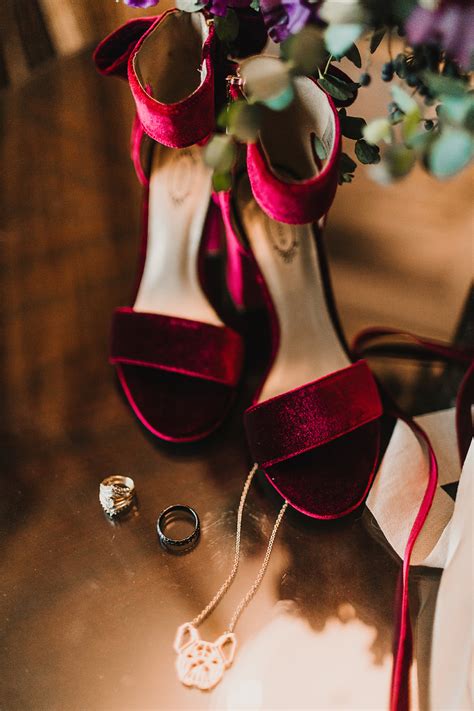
{"points": [[314, 427], [176, 360]]}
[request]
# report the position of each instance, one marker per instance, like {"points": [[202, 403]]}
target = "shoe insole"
{"points": [[309, 347], [180, 192]]}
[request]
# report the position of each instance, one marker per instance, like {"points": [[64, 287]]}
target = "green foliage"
{"points": [[377, 130], [396, 163], [219, 153], [376, 39], [450, 152], [282, 100], [339, 38], [430, 117], [353, 55], [403, 100], [336, 87], [268, 82], [319, 148], [457, 111], [346, 169], [351, 126], [227, 28], [221, 181], [367, 153], [242, 120], [443, 85], [305, 51]]}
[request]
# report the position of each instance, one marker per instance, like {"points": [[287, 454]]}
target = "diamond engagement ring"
{"points": [[116, 494]]}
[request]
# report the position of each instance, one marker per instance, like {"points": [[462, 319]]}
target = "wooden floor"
{"points": [[88, 609]]}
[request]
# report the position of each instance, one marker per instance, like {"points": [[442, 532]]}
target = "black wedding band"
{"points": [[173, 513]]}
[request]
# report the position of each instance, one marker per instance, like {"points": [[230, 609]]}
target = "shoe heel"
{"points": [[243, 279]]}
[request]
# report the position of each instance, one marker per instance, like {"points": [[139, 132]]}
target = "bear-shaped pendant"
{"points": [[199, 663]]}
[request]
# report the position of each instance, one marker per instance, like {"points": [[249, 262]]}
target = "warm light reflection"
{"points": [[288, 665]]}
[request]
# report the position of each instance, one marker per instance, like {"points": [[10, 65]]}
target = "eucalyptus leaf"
{"points": [[282, 100], [219, 153], [243, 120], [410, 124], [345, 178], [400, 160], [336, 87], [351, 126], [421, 141], [457, 110], [319, 148], [396, 163], [366, 152], [346, 164], [403, 100], [221, 181], [339, 38], [402, 9], [376, 39], [450, 152], [265, 78], [227, 28], [335, 12], [305, 50], [441, 85], [353, 55], [377, 130], [189, 5]]}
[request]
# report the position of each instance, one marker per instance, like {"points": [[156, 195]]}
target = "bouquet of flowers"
{"points": [[430, 108]]}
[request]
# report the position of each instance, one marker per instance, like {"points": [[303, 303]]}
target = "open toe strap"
{"points": [[313, 415], [199, 350]]}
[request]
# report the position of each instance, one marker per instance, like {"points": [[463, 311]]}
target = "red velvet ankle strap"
{"points": [[179, 124], [182, 123], [296, 202], [112, 54]]}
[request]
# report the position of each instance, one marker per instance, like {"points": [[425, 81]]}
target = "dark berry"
{"points": [[387, 71], [429, 124], [400, 66], [365, 79], [412, 80]]}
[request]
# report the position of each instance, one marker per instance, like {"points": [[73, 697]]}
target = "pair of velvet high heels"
{"points": [[315, 423], [177, 361]]}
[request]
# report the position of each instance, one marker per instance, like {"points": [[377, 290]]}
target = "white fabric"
{"points": [[400, 483], [452, 664]]}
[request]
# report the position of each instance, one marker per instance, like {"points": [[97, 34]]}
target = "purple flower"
{"points": [[219, 7], [450, 24], [286, 17], [141, 3]]}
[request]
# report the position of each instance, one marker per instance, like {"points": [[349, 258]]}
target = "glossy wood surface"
{"points": [[89, 608]]}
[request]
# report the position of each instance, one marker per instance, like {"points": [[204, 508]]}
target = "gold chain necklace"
{"points": [[202, 664]]}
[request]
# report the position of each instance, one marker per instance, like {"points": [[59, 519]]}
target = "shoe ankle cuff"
{"points": [[304, 190], [176, 116]]}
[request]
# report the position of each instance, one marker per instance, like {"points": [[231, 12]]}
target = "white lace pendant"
{"points": [[199, 663]]}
